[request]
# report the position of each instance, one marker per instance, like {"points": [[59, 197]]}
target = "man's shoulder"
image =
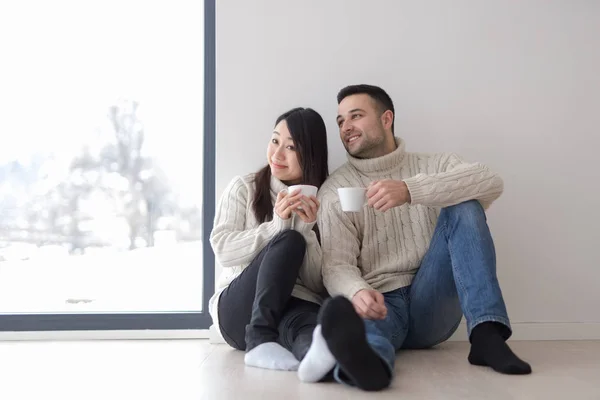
{"points": [[340, 177], [426, 162]]}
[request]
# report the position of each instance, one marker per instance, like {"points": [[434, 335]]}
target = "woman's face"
{"points": [[282, 156]]}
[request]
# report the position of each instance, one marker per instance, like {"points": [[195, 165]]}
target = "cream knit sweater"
{"points": [[383, 250], [237, 238]]}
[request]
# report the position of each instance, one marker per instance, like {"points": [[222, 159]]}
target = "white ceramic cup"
{"points": [[306, 190], [352, 199]]}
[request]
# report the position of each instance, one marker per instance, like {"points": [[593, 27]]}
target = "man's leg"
{"points": [[365, 349], [459, 272]]}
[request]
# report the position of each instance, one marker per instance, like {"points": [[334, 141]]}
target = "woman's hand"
{"points": [[287, 202], [308, 212]]}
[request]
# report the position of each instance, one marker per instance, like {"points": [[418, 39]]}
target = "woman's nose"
{"points": [[279, 154]]}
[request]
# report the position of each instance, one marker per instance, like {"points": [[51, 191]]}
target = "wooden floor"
{"points": [[195, 369]]}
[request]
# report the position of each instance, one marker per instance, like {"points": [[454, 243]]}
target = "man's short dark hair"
{"points": [[382, 100]]}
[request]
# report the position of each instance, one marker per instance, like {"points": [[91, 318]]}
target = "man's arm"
{"points": [[455, 181], [340, 248]]}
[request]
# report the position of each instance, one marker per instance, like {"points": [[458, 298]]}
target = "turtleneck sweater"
{"points": [[237, 238], [383, 250]]}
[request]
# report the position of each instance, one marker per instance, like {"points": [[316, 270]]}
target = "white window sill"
{"points": [[105, 335]]}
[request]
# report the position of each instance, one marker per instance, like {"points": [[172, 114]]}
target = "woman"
{"points": [[265, 238]]}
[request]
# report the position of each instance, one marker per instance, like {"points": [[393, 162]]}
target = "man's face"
{"points": [[361, 128]]}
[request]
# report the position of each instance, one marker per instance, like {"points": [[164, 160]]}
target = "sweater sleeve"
{"points": [[232, 243], [341, 249], [310, 271], [454, 181]]}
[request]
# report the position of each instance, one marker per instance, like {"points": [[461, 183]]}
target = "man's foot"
{"points": [[318, 361], [271, 355], [488, 348], [344, 332]]}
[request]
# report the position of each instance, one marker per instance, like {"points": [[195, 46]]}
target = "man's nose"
{"points": [[346, 126]]}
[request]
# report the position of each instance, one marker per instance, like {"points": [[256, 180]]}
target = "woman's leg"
{"points": [[251, 308], [297, 326]]}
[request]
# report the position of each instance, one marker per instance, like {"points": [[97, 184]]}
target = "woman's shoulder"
{"points": [[240, 186], [242, 180]]}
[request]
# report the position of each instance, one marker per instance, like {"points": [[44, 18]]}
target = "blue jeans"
{"points": [[457, 276]]}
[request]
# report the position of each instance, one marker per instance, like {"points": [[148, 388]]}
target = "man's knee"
{"points": [[471, 210]]}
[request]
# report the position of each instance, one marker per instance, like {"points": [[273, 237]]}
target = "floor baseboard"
{"points": [[521, 331], [544, 331]]}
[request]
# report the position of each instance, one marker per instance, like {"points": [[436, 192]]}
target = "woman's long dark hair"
{"points": [[310, 139]]}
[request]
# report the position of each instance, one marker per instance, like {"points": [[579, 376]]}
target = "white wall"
{"points": [[514, 84]]}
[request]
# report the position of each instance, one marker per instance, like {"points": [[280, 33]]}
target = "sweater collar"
{"points": [[381, 164], [277, 186]]}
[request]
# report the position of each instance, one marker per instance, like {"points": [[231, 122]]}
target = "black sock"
{"points": [[344, 332], [489, 348]]}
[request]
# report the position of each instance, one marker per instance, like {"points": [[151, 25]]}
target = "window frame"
{"points": [[144, 320]]}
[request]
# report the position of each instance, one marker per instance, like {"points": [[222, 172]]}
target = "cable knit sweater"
{"points": [[383, 250], [237, 238]]}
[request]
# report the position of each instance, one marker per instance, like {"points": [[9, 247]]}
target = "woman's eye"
{"points": [[291, 148], [274, 141]]}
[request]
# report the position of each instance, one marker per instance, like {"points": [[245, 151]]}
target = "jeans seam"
{"points": [[460, 286], [230, 341], [447, 335]]}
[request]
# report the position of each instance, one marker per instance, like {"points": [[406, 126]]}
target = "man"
{"points": [[419, 255]]}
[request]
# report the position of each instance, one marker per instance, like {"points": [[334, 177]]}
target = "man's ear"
{"points": [[387, 119]]}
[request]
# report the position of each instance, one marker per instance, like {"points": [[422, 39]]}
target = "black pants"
{"points": [[257, 306]]}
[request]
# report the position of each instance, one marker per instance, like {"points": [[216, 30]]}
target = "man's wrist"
{"points": [[407, 196]]}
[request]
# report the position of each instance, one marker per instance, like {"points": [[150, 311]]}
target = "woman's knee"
{"points": [[291, 238]]}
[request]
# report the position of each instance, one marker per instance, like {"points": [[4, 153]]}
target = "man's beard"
{"points": [[367, 148]]}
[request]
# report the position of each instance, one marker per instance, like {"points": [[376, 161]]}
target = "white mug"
{"points": [[352, 199], [306, 190]]}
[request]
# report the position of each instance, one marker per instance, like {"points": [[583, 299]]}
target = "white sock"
{"points": [[318, 360], [271, 355]]}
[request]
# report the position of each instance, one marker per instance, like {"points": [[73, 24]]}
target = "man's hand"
{"points": [[387, 193], [369, 304]]}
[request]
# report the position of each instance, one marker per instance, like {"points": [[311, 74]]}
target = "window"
{"points": [[106, 164]]}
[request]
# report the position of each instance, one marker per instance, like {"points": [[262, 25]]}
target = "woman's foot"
{"points": [[271, 355]]}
